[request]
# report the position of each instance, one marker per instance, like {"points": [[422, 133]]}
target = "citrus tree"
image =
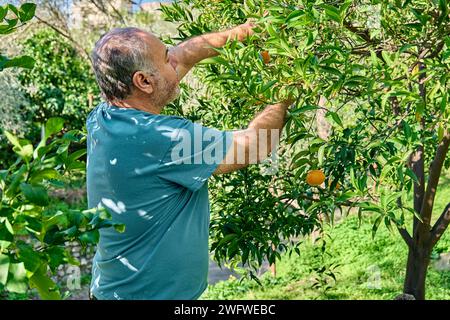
{"points": [[377, 71]]}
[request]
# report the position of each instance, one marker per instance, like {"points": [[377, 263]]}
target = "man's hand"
{"points": [[245, 30]]}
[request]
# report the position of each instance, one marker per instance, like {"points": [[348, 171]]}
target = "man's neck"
{"points": [[136, 103]]}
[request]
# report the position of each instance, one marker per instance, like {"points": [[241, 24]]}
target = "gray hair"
{"points": [[116, 57]]}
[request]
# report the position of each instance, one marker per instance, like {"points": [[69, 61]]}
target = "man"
{"points": [[141, 167]]}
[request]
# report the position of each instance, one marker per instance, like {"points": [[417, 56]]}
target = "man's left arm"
{"points": [[191, 51]]}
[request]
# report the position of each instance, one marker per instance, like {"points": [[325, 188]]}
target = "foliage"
{"points": [[32, 236], [11, 18], [385, 63], [363, 262], [61, 82]]}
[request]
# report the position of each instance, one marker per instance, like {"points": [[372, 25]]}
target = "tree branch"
{"points": [[405, 235], [364, 34], [440, 226], [80, 49], [433, 178], [418, 163], [417, 166], [436, 51]]}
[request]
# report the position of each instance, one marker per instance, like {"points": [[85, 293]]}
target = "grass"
{"points": [[369, 268]]}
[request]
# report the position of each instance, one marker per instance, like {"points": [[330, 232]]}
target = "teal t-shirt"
{"points": [[150, 172]]}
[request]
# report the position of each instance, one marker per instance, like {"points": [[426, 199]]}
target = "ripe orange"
{"points": [[315, 178], [265, 56]]}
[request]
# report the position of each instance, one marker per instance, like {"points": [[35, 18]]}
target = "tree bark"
{"points": [[441, 225], [416, 271], [419, 252], [417, 165]]}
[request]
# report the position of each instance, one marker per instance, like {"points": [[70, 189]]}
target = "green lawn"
{"points": [[362, 260]]}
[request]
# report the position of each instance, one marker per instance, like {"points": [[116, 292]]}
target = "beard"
{"points": [[166, 92]]}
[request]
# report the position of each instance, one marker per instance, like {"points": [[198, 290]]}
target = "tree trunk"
{"points": [[416, 271]]}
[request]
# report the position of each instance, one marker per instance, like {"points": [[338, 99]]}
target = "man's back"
{"points": [[131, 171]]}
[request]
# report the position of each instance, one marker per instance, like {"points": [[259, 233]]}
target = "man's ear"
{"points": [[144, 82]]}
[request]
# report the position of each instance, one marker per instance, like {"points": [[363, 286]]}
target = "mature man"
{"points": [[136, 171]]}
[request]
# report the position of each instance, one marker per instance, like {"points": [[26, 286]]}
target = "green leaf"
{"points": [[444, 7], [304, 109], [57, 256], [76, 165], [8, 226], [443, 104], [20, 62], [4, 267], [227, 239], [268, 85], [332, 12], [77, 154], [214, 60], [376, 225], [294, 14], [89, 237], [4, 29], [25, 151], [420, 108], [13, 139], [119, 228], [320, 154], [29, 257], [335, 117], [5, 235], [27, 11], [16, 179], [386, 58], [57, 219], [44, 174], [440, 133], [35, 194], [412, 175], [13, 8], [17, 281], [3, 12], [331, 70], [53, 125], [47, 289]]}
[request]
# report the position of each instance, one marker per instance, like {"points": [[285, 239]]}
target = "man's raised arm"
{"points": [[254, 144], [194, 50]]}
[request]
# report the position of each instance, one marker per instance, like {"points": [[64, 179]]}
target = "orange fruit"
{"points": [[265, 56], [315, 178]]}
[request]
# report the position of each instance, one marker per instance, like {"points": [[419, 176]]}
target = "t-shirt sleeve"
{"points": [[194, 153]]}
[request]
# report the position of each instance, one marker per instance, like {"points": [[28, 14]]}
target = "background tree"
{"points": [[61, 82], [382, 68], [32, 234]]}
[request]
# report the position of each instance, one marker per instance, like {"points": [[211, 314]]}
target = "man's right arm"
{"points": [[254, 144]]}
